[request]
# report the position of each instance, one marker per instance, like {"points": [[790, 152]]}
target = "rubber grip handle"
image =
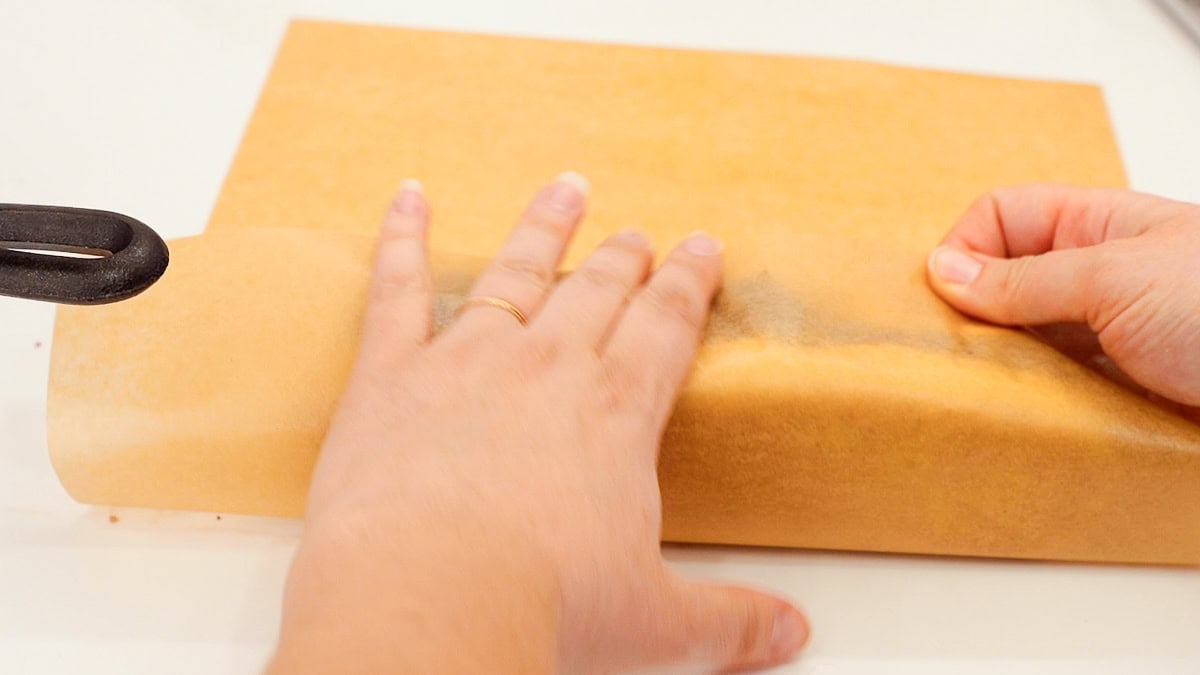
{"points": [[125, 257]]}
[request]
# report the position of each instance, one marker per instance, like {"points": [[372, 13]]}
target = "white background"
{"points": [[138, 106]]}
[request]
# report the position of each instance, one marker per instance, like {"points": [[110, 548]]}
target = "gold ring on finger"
{"points": [[498, 303]]}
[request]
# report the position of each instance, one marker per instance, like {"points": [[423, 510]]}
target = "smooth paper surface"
{"points": [[836, 403]]}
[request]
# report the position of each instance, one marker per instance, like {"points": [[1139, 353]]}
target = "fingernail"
{"points": [[568, 191], [410, 196], [789, 633], [953, 266], [578, 180], [701, 243], [632, 237]]}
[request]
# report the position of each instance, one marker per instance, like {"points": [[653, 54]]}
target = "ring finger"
{"points": [[525, 269]]}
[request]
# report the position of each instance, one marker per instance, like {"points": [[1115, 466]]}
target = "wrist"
{"points": [[434, 597]]}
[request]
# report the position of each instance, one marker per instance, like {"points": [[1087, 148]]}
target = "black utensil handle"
{"points": [[131, 256]]}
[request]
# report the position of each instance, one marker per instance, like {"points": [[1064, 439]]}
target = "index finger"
{"points": [[1031, 219]]}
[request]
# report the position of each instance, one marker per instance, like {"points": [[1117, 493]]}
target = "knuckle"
{"points": [[523, 270], [1117, 288], [622, 388], [400, 283], [629, 243], [984, 216], [1107, 279], [996, 196], [985, 203], [457, 354], [541, 351], [1104, 260], [677, 299], [1011, 285], [549, 218], [986, 206], [602, 275], [400, 223], [1127, 328], [1011, 277]]}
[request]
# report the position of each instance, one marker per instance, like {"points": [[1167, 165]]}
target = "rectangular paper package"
{"points": [[836, 402]]}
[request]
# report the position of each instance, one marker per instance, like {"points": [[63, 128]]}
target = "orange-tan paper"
{"points": [[836, 403]]}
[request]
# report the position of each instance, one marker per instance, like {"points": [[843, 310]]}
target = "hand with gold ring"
{"points": [[486, 500]]}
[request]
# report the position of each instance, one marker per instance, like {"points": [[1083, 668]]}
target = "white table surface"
{"points": [[137, 106]]}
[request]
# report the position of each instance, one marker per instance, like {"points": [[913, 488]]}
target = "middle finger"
{"points": [[525, 268]]}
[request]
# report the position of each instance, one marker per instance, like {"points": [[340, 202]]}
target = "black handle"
{"points": [[125, 256]]}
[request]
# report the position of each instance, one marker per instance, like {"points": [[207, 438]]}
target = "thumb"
{"points": [[1057, 286], [737, 628]]}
